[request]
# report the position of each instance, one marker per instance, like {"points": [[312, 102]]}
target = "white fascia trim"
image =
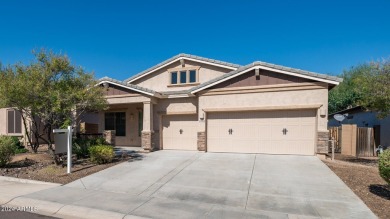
{"points": [[178, 59], [269, 69], [130, 88], [211, 63], [178, 96]]}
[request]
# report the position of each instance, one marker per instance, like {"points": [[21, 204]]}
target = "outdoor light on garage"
{"points": [[322, 111]]}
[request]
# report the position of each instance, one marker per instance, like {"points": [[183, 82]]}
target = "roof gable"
{"points": [[179, 57], [131, 87], [269, 67]]}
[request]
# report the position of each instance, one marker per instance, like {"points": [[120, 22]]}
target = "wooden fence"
{"points": [[335, 134], [365, 143], [353, 140], [88, 128]]}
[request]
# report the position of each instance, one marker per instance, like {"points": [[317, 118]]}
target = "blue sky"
{"points": [[122, 38]]}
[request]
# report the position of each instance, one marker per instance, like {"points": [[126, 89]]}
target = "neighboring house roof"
{"points": [[182, 56], [128, 86], [272, 67], [349, 110]]}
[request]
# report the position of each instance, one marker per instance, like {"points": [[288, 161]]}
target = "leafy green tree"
{"points": [[367, 85], [346, 94], [49, 92], [374, 88]]}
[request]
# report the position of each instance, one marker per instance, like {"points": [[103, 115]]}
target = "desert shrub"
{"points": [[7, 149], [80, 146], [15, 140], [101, 154], [384, 165], [21, 150]]}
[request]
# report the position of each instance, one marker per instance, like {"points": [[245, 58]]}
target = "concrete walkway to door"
{"points": [[180, 184]]}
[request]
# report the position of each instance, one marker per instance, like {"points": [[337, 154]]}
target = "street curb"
{"points": [[27, 181], [60, 210]]}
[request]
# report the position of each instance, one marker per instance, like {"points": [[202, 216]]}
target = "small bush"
{"points": [[16, 142], [7, 149], [21, 150], [384, 165], [101, 154], [80, 146]]}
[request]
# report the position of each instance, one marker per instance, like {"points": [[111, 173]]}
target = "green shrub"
{"points": [[21, 150], [7, 149], [80, 146], [384, 165], [16, 142], [101, 154]]}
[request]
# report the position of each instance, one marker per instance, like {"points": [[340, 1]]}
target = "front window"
{"points": [[116, 121], [192, 76], [184, 76], [174, 77], [14, 122]]}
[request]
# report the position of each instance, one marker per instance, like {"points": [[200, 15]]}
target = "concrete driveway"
{"points": [[171, 184]]}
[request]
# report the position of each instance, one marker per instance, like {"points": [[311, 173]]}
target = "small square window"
{"points": [[192, 76], [183, 77], [174, 77]]}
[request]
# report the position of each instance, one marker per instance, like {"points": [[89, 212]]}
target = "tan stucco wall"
{"points": [[159, 80], [3, 121], [132, 138], [277, 98], [177, 106]]}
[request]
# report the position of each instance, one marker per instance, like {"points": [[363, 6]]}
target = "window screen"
{"points": [[14, 122], [183, 77], [174, 77], [192, 76]]}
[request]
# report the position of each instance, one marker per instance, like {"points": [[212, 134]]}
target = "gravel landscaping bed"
{"points": [[361, 175], [41, 167]]}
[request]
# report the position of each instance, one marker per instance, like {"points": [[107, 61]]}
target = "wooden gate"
{"points": [[354, 141], [365, 143], [335, 134]]}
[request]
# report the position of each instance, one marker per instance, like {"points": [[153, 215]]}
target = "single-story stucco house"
{"points": [[193, 103], [365, 118]]}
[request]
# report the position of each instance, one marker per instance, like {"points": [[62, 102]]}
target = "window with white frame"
{"points": [[183, 76], [14, 122]]}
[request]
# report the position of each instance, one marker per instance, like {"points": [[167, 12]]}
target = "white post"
{"points": [[69, 158], [332, 143]]}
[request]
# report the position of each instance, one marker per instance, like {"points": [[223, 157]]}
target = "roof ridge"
{"points": [[180, 55]]}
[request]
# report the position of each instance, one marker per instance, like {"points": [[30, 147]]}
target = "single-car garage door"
{"points": [[180, 132], [271, 132]]}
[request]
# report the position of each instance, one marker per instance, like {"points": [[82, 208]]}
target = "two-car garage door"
{"points": [[271, 132]]}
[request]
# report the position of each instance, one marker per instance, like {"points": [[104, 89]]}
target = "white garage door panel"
{"points": [[173, 138], [261, 132]]}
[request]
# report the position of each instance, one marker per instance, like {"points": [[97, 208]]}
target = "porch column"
{"points": [[147, 131]]}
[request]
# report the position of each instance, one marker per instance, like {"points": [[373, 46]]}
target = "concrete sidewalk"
{"points": [[170, 184], [11, 188]]}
